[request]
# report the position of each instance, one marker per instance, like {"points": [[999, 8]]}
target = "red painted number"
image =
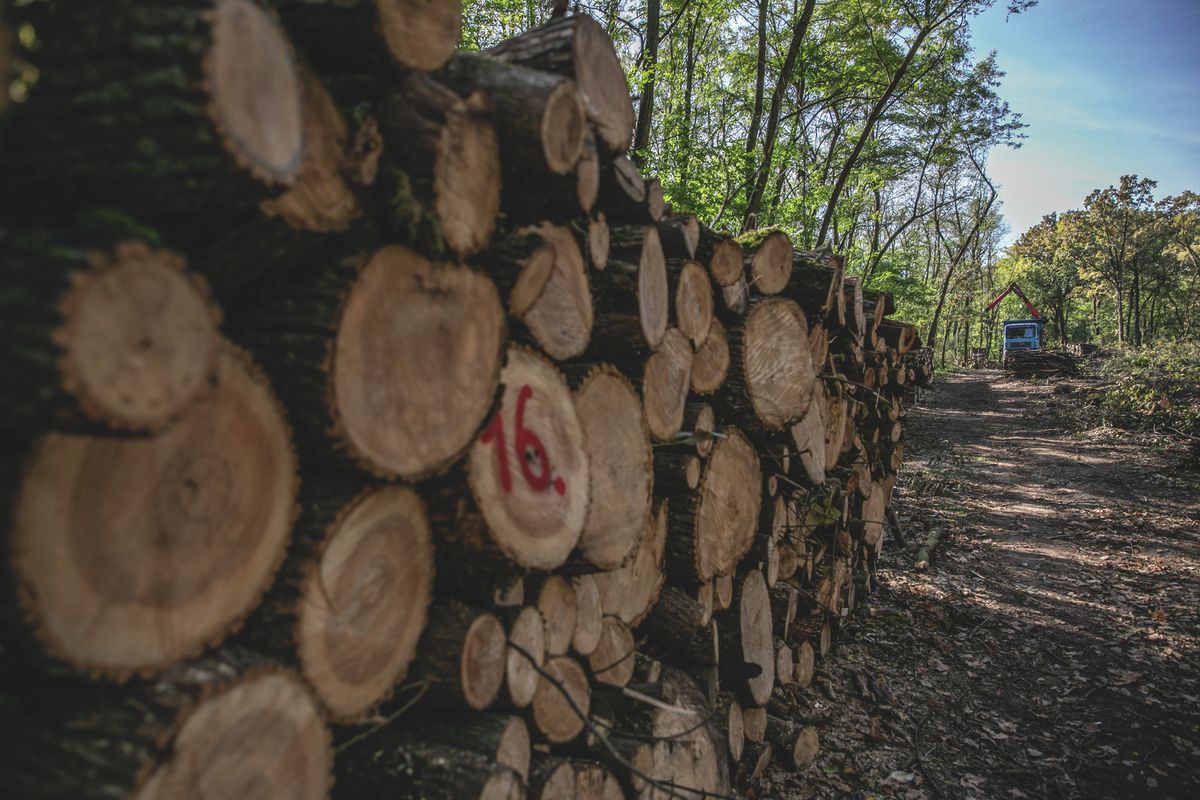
{"points": [[529, 451]]}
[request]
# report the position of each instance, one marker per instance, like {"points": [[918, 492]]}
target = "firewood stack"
{"points": [[492, 471]]}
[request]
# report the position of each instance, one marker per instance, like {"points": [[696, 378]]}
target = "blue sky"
{"points": [[1107, 87]]}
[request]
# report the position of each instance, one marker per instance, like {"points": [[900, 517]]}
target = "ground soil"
{"points": [[1052, 649]]}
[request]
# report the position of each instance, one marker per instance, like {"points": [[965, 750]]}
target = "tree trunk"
{"points": [[649, 68]]}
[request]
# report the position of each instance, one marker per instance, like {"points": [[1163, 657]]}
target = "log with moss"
{"points": [[114, 337], [185, 114], [768, 257]]}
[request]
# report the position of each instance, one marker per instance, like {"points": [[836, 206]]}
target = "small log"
{"points": [[785, 663], [711, 362], [558, 719], [594, 239], [630, 592], [735, 299], [623, 194], [805, 664], [856, 321], [461, 656], [525, 653], [552, 778], [560, 318], [372, 36], [768, 257], [632, 299], [816, 284], [676, 472], [95, 519], [797, 744], [691, 290], [442, 188], [700, 423], [665, 384], [539, 117], [809, 437], [735, 728], [578, 48], [722, 255], [621, 466], [755, 722], [529, 196], [722, 592], [680, 234], [612, 662], [589, 614], [925, 551], [557, 604], [528, 472], [676, 630], [120, 339]]}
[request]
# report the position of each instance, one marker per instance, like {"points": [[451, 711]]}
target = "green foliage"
{"points": [[1153, 389]]}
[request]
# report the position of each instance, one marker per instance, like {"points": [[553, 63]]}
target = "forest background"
{"points": [[864, 126]]}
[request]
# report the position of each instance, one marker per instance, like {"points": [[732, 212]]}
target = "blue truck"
{"points": [[1024, 334]]}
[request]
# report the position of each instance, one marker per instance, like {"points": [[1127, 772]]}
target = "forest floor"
{"points": [[1052, 649]]}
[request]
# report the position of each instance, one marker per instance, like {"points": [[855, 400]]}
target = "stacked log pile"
{"points": [[1041, 364], [491, 470]]}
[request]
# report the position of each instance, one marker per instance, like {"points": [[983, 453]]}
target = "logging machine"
{"points": [[1021, 334]]}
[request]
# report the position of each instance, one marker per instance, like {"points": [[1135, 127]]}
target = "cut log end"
{"points": [[730, 498], [563, 121], [777, 362], [251, 68], [135, 553], [653, 296], [612, 661], [483, 663], [420, 34], [711, 364], [363, 605], [410, 410], [559, 609], [560, 319], [552, 712], [602, 82], [771, 265], [589, 617], [694, 303], [467, 179], [139, 339], [630, 592], [757, 641], [725, 262], [621, 466], [598, 239], [526, 652], [261, 737], [529, 471], [665, 385]]}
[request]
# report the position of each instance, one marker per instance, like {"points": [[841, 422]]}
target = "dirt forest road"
{"points": [[1052, 650]]}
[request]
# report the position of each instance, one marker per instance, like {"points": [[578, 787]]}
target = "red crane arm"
{"points": [[1012, 287]]}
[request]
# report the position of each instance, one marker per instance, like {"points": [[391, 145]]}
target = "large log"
{"points": [[772, 379], [156, 92], [122, 339], [340, 349], [441, 187], [540, 117], [577, 47], [372, 36], [229, 723], [621, 466], [714, 530], [632, 299], [351, 599], [528, 472], [722, 255], [131, 554]]}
